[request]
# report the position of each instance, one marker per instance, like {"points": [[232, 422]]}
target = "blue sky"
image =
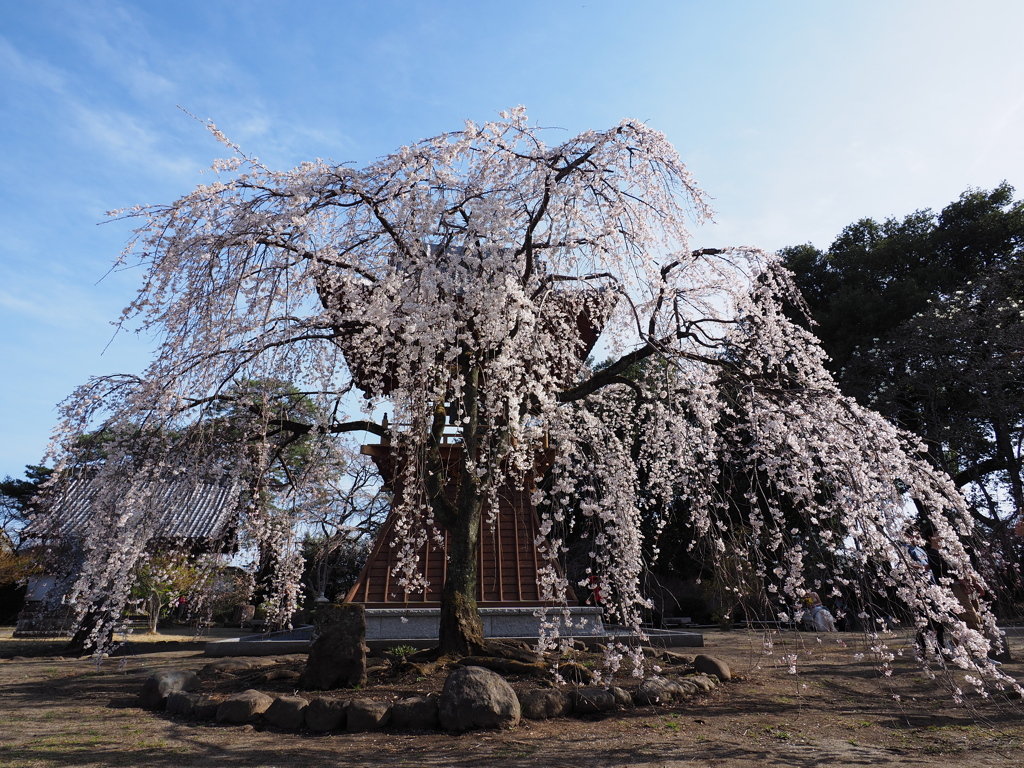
{"points": [[797, 117]]}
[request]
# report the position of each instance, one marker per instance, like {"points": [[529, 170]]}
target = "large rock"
{"points": [[366, 715], [326, 715], [592, 701], [337, 657], [416, 713], [287, 712], [205, 708], [192, 705], [703, 682], [572, 672], [689, 685], [710, 665], [244, 707], [162, 684], [622, 697], [474, 697], [544, 703], [657, 690], [182, 704]]}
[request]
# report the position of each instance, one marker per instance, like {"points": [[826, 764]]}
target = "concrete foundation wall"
{"points": [[423, 623]]}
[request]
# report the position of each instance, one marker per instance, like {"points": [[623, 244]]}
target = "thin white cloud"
{"points": [[131, 141], [56, 307], [119, 136], [122, 47], [18, 68]]}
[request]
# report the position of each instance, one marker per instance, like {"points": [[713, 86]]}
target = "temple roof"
{"points": [[574, 315], [183, 510]]}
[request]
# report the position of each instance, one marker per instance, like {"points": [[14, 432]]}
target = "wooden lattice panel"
{"points": [[508, 559]]}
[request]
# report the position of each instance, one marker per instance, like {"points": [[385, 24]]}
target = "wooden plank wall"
{"points": [[508, 560]]}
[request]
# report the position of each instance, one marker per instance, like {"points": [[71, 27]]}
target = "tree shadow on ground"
{"points": [[838, 710]]}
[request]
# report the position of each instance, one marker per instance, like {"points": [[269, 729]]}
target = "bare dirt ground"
{"points": [[838, 710]]}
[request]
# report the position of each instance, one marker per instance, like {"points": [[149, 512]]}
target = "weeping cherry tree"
{"points": [[460, 281]]}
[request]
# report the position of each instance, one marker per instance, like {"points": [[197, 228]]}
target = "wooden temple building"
{"points": [[508, 560], [508, 595], [198, 517]]}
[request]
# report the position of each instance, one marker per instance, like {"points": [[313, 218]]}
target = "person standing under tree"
{"points": [[179, 614], [965, 592]]}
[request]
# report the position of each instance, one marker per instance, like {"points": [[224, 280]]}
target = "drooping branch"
{"points": [[358, 426], [611, 374], [665, 272]]}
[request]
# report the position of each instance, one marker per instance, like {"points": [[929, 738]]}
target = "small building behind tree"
{"points": [[197, 518]]}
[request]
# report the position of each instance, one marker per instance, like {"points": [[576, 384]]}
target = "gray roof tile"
{"points": [[178, 509]]}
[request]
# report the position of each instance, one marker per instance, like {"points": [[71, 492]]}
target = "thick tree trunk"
{"points": [[461, 630], [83, 641], [1008, 455]]}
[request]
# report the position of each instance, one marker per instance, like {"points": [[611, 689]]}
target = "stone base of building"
{"points": [[40, 619], [423, 623], [419, 627]]}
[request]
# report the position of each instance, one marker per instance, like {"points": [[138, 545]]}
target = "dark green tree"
{"points": [[16, 501], [16, 564], [920, 320], [278, 422], [923, 319]]}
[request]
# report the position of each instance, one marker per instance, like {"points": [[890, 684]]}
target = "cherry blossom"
{"points": [[457, 283]]}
